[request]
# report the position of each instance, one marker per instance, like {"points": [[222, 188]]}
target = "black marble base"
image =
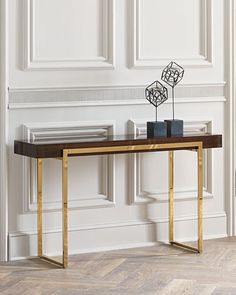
{"points": [[175, 127], [156, 129]]}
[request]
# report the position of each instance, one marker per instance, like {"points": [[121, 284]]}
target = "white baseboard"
{"points": [[116, 236]]}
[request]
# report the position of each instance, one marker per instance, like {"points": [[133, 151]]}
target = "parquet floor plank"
{"points": [[161, 270]]}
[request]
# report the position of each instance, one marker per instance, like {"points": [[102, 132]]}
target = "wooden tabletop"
{"points": [[54, 148]]}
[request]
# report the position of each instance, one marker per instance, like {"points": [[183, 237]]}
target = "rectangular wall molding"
{"points": [[113, 95], [69, 131], [205, 57], [138, 196], [105, 61]]}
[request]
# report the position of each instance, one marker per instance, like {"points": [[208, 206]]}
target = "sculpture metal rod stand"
{"points": [[173, 102], [174, 126]]}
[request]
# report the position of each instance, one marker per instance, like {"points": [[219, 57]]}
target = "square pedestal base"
{"points": [[175, 127], [156, 129]]}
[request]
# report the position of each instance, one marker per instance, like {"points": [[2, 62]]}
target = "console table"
{"points": [[62, 149]]}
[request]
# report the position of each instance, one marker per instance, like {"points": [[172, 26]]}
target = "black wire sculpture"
{"points": [[172, 75], [156, 93]]}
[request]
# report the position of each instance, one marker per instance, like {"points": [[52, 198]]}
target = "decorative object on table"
{"points": [[172, 75], [156, 93]]}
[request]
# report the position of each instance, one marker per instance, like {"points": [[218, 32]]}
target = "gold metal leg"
{"points": [[171, 196], [64, 263], [65, 207], [40, 208], [200, 200]]}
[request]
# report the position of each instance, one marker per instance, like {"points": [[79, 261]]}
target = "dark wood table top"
{"points": [[52, 148]]}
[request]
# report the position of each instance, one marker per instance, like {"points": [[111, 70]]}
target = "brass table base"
{"points": [[200, 200], [193, 146]]}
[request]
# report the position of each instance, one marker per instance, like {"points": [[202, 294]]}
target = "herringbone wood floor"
{"points": [[153, 270]]}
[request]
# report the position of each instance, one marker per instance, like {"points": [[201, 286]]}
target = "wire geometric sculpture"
{"points": [[172, 75], [156, 93]]}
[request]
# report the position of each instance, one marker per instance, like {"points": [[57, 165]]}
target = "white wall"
{"points": [[3, 131], [81, 66]]}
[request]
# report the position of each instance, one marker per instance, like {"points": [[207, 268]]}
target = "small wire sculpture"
{"points": [[156, 93], [172, 75]]}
